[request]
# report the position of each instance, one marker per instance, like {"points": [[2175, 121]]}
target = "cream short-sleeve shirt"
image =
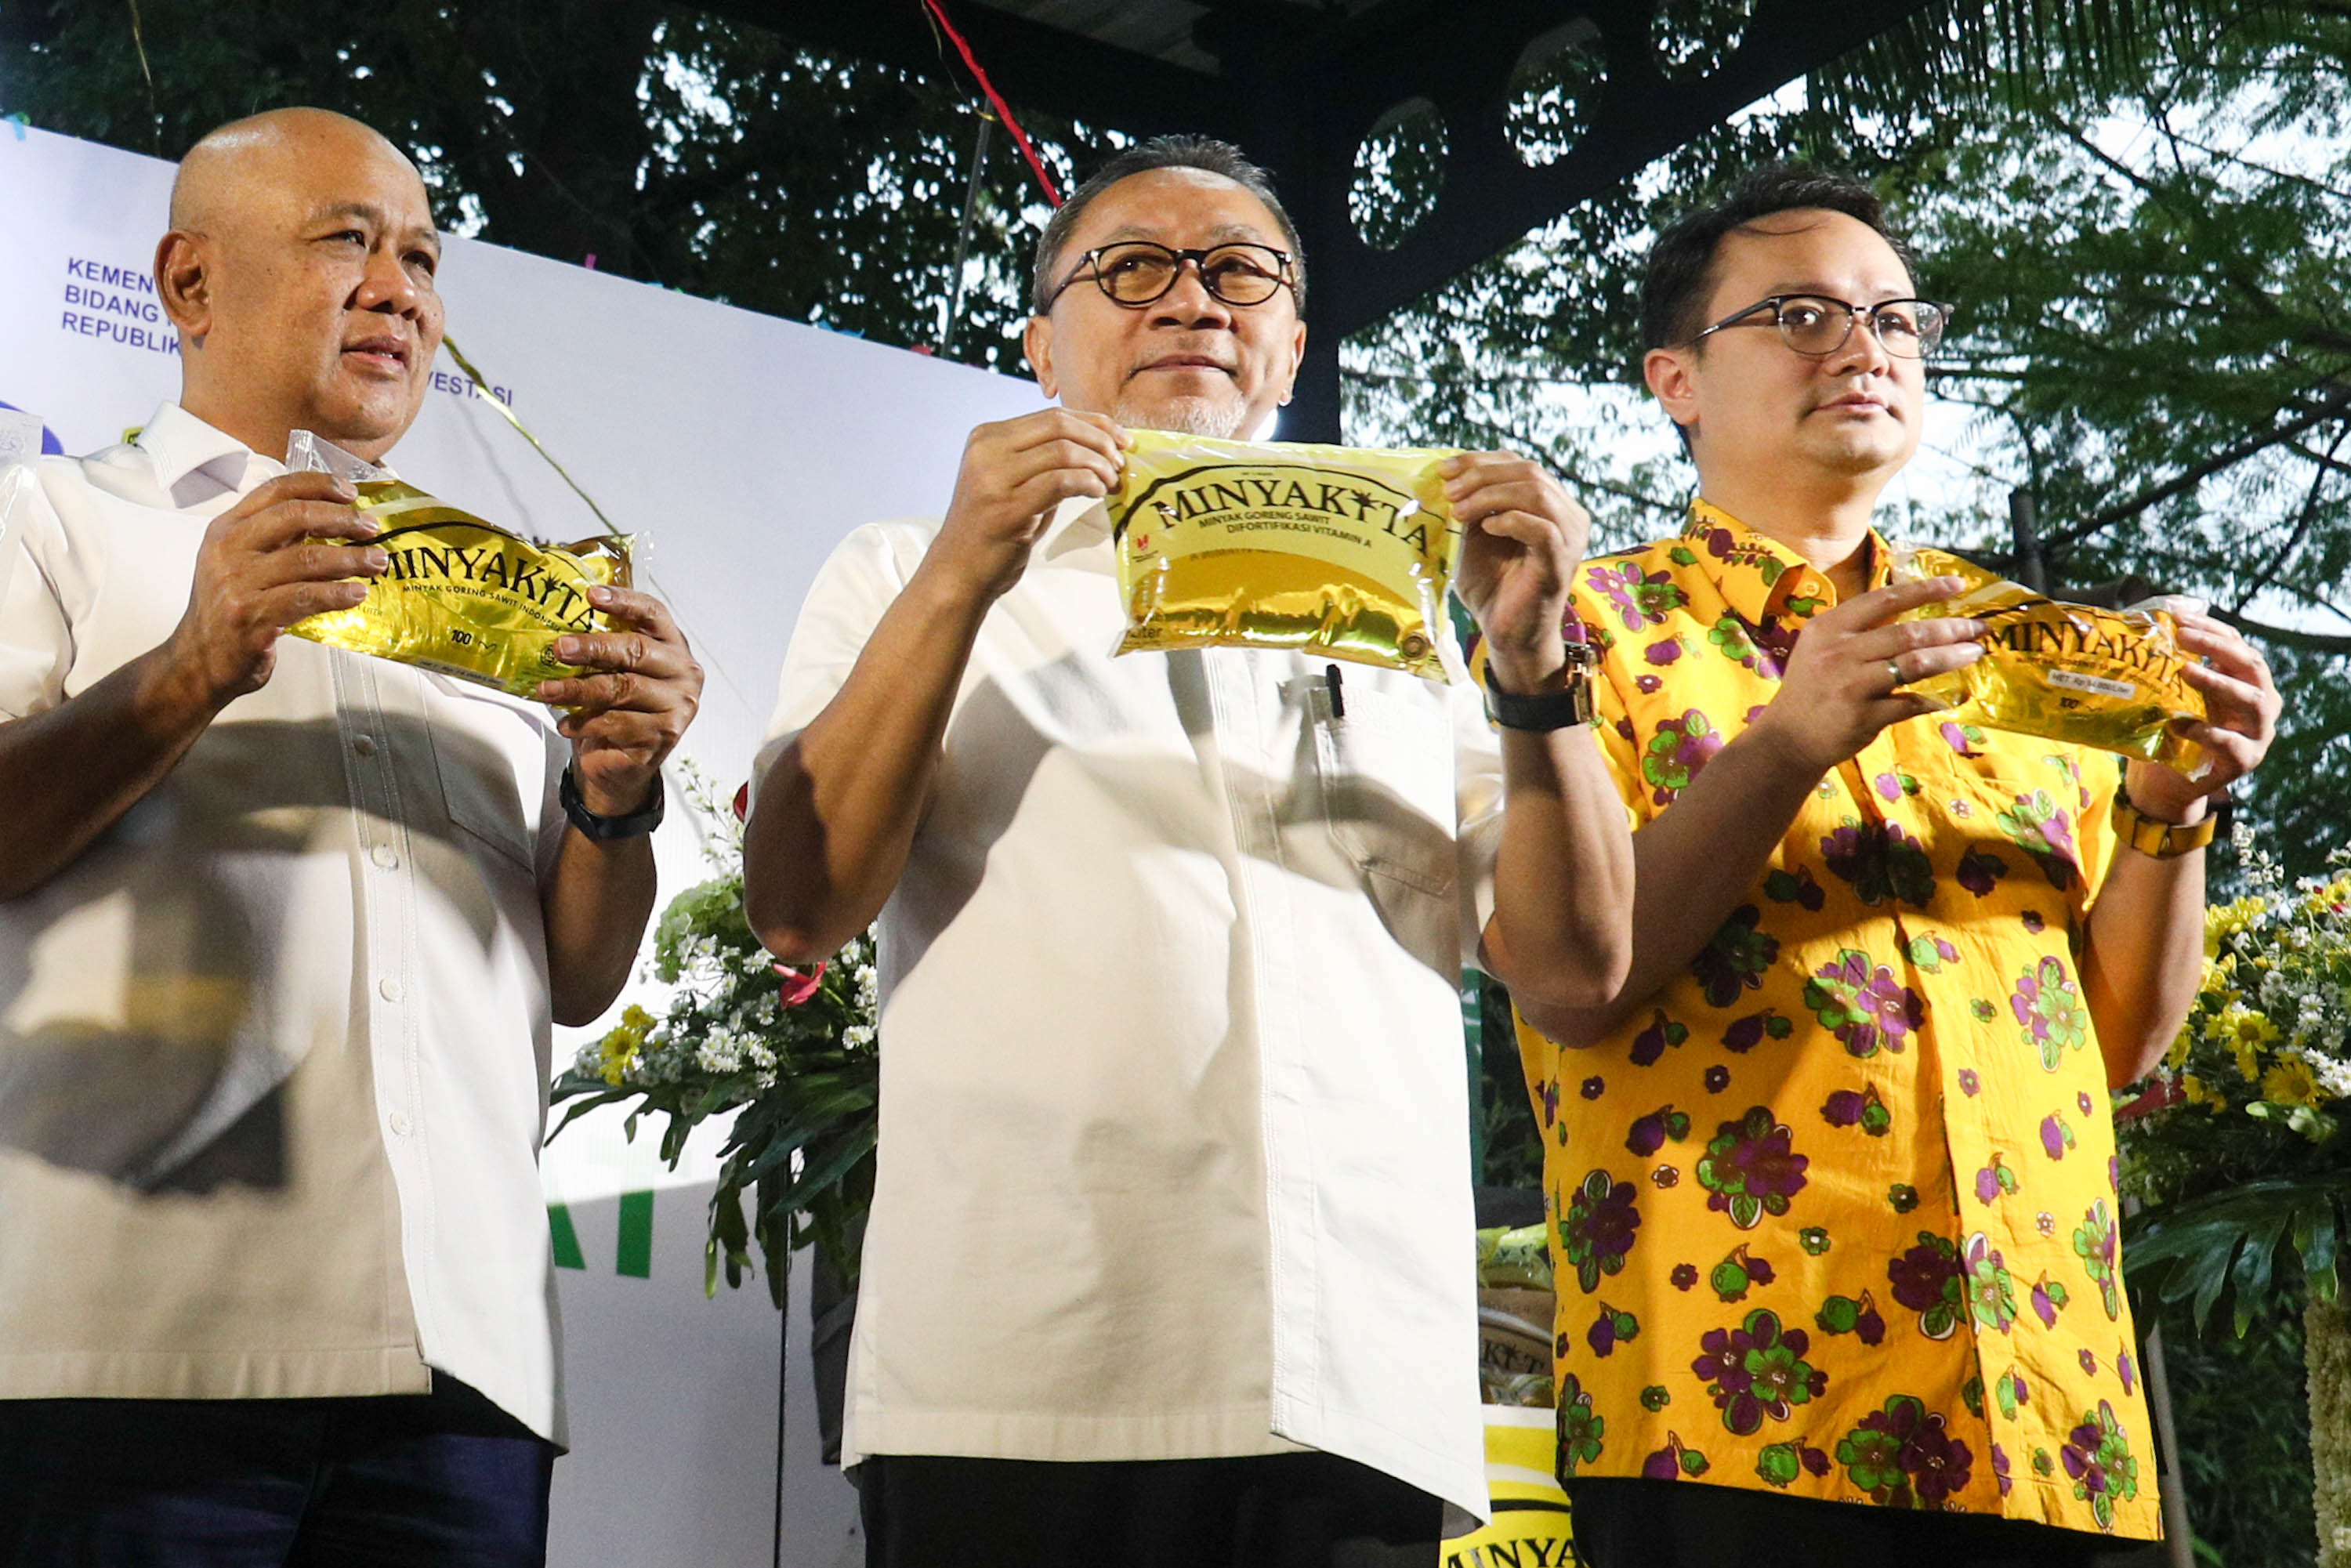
{"points": [[1174, 1125], [274, 1050]]}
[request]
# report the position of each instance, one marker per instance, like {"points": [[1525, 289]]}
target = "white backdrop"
{"points": [[743, 447]]}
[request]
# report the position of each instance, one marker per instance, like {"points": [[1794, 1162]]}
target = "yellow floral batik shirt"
{"points": [[1833, 1214]]}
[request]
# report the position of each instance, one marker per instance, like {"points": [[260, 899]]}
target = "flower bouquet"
{"points": [[791, 1053], [2236, 1147]]}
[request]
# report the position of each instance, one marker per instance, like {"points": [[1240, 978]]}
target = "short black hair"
{"points": [[1203, 152], [1681, 271]]}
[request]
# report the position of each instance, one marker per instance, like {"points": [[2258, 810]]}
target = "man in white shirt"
{"points": [[1170, 1253], [282, 929]]}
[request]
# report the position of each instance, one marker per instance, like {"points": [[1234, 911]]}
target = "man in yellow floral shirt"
{"points": [[1833, 1177]]}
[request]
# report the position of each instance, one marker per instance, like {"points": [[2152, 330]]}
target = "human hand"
{"points": [[627, 717], [1842, 684], [2242, 706], [1521, 536], [1014, 472], [277, 557]]}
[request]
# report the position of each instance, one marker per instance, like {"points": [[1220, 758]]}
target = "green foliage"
{"points": [[2239, 1146], [2253, 1244], [2245, 1464], [1509, 1142], [674, 146], [791, 1056]]}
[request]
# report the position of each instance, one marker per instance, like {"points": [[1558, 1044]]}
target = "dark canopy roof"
{"points": [[1300, 83]]}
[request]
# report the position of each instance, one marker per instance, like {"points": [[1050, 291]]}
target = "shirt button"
{"points": [[391, 989], [364, 744], [385, 856], [400, 1123]]}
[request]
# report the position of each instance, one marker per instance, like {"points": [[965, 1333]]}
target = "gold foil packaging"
{"points": [[461, 596], [2104, 678], [1516, 1257], [1325, 549]]}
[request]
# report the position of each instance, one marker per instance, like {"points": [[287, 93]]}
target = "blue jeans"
{"points": [[443, 1479]]}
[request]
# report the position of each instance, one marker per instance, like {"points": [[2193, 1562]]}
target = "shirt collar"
{"points": [[195, 463], [1760, 577]]}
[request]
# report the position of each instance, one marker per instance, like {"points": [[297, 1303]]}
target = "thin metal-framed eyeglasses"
{"points": [[1817, 326], [1136, 272]]}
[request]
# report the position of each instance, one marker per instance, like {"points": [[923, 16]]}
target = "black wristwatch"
{"points": [[604, 830], [1553, 710]]}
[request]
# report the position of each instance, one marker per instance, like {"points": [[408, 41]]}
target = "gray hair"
{"points": [[1202, 152]]}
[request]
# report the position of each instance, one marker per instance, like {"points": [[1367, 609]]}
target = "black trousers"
{"points": [[443, 1479], [1632, 1524], [1279, 1510]]}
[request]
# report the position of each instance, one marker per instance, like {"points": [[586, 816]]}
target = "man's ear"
{"points": [[1036, 342], [1672, 375], [183, 283], [1297, 358]]}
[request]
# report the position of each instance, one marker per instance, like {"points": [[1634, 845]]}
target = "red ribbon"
{"points": [[797, 987], [1003, 110]]}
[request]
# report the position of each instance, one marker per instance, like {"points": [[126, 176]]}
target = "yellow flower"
{"points": [[2244, 1032], [2290, 1083], [2193, 1087], [2328, 897], [619, 1048], [2223, 921]]}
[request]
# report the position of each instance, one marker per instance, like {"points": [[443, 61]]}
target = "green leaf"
{"points": [[608, 1096], [2317, 1248], [828, 1170], [728, 1234], [2253, 1266], [2201, 1250]]}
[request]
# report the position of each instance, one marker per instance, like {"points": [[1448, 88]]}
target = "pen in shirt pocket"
{"points": [[1338, 698]]}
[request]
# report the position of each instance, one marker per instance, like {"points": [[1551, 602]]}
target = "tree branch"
{"points": [[2188, 478]]}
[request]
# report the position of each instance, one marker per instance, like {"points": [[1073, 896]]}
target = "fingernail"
{"points": [[346, 489], [378, 559], [599, 594], [566, 649]]}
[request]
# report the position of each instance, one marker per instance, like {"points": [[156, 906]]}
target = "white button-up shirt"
{"points": [[1174, 1117], [273, 1049]]}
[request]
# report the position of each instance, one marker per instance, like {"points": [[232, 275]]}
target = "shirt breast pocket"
{"points": [[1385, 766], [490, 751], [2022, 808]]}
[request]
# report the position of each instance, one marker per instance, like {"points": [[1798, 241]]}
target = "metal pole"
{"points": [[962, 235], [2024, 529], [783, 1385], [2179, 1538]]}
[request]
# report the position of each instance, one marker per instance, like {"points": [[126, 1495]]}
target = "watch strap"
{"points": [[2155, 837], [604, 830], [1550, 710]]}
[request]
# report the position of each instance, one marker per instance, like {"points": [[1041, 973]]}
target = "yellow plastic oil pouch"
{"points": [[1323, 549], [2108, 679], [462, 597], [1519, 1257]]}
